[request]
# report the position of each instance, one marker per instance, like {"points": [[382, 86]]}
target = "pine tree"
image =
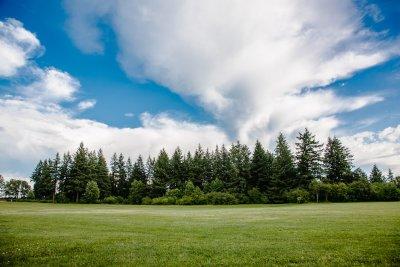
{"points": [[227, 169], [161, 174], [150, 169], [103, 178], [376, 175], [337, 162], [43, 179], [359, 175], [79, 172], [261, 169], [139, 171], [55, 175], [198, 168], [114, 175], [177, 170], [65, 176], [390, 177], [123, 183], [129, 170], [284, 171], [240, 158], [309, 159]]}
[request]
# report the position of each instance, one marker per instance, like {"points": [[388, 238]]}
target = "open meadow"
{"points": [[308, 234]]}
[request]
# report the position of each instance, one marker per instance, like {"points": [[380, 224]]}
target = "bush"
{"points": [[339, 192], [163, 201], [219, 198], [110, 200], [146, 201], [256, 197], [176, 193], [215, 185], [242, 198], [359, 191], [137, 192], [385, 192], [92, 192], [297, 195], [185, 200], [191, 189]]}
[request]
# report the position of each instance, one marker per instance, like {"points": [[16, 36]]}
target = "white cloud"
{"points": [[245, 62], [87, 104], [50, 84], [30, 132], [382, 148], [17, 46]]}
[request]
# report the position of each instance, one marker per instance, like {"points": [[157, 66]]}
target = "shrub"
{"points": [[256, 197], [92, 192], [191, 189], [176, 193], [219, 198], [146, 201], [216, 185], [163, 201], [359, 191], [185, 200], [384, 192], [137, 192], [297, 195], [242, 198], [339, 192], [110, 200]]}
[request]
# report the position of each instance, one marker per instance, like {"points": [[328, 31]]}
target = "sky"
{"points": [[133, 77]]}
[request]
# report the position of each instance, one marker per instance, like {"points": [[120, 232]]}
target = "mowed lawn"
{"points": [[309, 234]]}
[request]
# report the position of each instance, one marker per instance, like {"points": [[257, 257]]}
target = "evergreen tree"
{"points": [[390, 177], [376, 175], [137, 192], [240, 158], [197, 168], [260, 169], [139, 171], [129, 169], [161, 174], [103, 178], [43, 180], [284, 171], [55, 175], [150, 169], [359, 175], [177, 169], [227, 170], [92, 192], [114, 175], [337, 162], [65, 177], [79, 172], [308, 157], [123, 183]]}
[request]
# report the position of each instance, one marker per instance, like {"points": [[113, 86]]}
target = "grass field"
{"points": [[309, 234]]}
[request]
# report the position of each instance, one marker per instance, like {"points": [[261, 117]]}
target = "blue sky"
{"points": [[161, 74]]}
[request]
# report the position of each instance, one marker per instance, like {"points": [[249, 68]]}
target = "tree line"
{"points": [[15, 189], [224, 175]]}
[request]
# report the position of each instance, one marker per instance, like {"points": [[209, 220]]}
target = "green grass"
{"points": [[309, 234]]}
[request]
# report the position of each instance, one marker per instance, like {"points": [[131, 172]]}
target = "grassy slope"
{"points": [[338, 234]]}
